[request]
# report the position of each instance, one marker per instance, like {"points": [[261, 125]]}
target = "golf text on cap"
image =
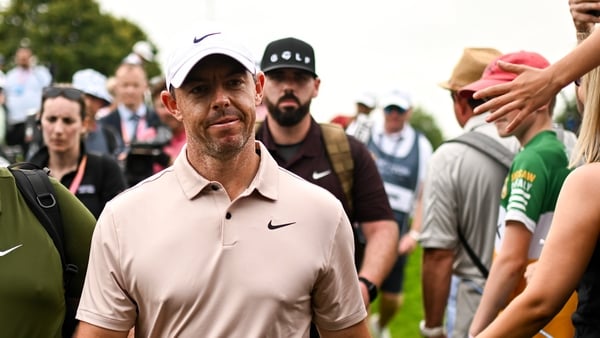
{"points": [[287, 55]]}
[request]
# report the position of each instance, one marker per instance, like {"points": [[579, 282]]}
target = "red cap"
{"points": [[493, 74]]}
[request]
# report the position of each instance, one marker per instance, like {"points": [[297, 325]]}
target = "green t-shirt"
{"points": [[531, 188], [31, 287]]}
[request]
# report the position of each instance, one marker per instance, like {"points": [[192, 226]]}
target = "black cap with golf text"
{"points": [[288, 53]]}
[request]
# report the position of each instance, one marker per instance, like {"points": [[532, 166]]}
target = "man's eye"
{"points": [[276, 77], [235, 83], [200, 90]]}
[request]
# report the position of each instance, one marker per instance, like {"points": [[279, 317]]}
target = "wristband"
{"points": [[372, 288], [430, 332], [414, 234]]}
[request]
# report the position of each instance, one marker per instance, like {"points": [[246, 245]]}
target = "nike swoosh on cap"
{"points": [[317, 175], [6, 252], [272, 226], [196, 40]]}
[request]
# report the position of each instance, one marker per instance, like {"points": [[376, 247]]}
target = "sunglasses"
{"points": [[66, 92], [393, 108]]}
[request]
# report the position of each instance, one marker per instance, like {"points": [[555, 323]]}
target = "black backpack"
{"points": [[37, 190]]}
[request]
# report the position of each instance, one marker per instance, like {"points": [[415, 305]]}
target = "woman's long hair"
{"points": [[588, 143]]}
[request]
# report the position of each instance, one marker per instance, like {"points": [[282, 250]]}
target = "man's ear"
{"points": [[259, 87], [171, 104]]}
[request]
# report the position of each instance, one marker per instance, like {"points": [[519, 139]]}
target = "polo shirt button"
{"points": [[228, 215], [214, 187]]}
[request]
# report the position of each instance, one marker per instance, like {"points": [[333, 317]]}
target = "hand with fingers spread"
{"points": [[585, 13], [532, 88]]}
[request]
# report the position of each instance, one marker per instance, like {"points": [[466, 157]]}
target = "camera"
{"points": [[142, 156]]}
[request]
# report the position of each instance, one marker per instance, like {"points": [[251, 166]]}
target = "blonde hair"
{"points": [[588, 143]]}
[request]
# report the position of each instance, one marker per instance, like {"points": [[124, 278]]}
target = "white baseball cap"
{"points": [[368, 99], [144, 49], [397, 98], [200, 45], [92, 83]]}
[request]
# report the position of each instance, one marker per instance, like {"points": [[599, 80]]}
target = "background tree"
{"points": [[68, 36], [425, 123]]}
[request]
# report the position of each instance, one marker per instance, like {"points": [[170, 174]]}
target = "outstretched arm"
{"points": [[534, 87], [570, 243]]}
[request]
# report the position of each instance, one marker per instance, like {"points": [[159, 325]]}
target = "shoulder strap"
{"points": [[498, 153], [37, 190], [487, 146], [338, 149]]}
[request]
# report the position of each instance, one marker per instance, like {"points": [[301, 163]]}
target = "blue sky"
{"points": [[373, 45]]}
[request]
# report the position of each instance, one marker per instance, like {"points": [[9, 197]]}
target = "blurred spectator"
{"points": [[100, 138], [141, 53], [135, 122], [93, 178], [23, 88]]}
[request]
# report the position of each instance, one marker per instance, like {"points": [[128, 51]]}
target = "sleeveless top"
{"points": [[586, 318]]}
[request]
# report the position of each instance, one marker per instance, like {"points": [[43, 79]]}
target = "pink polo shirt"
{"points": [[176, 258]]}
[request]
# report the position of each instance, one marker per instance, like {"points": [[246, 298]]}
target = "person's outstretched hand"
{"points": [[583, 14], [532, 89]]}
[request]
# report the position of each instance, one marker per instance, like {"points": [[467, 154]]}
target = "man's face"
{"points": [[217, 104], [395, 118], [288, 94], [23, 57], [519, 130], [131, 84]]}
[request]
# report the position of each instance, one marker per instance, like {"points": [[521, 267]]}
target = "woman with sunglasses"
{"points": [[93, 178]]}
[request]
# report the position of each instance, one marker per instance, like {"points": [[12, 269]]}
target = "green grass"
{"points": [[406, 322]]}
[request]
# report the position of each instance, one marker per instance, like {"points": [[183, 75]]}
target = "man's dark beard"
{"points": [[288, 117]]}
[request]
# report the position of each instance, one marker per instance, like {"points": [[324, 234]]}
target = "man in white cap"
{"points": [[141, 53], [224, 243], [100, 138], [364, 103], [401, 155]]}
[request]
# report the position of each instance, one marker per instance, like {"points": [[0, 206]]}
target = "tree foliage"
{"points": [[425, 123], [68, 35]]}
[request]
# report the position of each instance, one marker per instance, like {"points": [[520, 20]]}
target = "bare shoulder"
{"points": [[584, 180], [580, 193]]}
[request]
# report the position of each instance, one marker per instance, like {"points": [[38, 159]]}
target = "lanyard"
{"points": [[77, 180]]}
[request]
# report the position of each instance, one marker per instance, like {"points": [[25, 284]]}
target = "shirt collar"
{"points": [[266, 180], [126, 113], [476, 121]]}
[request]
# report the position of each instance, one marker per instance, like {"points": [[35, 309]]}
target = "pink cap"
{"points": [[493, 74]]}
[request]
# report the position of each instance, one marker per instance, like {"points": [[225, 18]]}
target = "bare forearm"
{"points": [[503, 280], [380, 251], [435, 282], [86, 330], [359, 330], [522, 318], [585, 57]]}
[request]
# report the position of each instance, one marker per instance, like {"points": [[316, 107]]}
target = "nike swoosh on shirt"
{"points": [[317, 175], [272, 226], [196, 40], [6, 252]]}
